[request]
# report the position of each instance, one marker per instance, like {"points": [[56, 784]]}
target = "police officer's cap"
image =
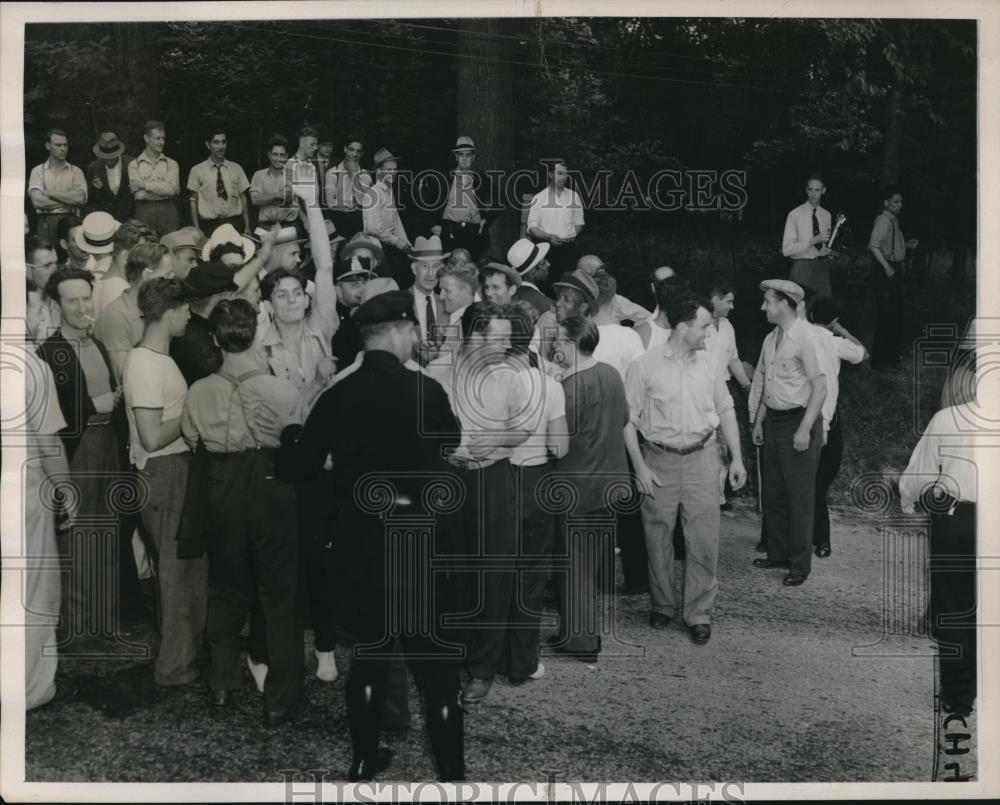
{"points": [[386, 307]]}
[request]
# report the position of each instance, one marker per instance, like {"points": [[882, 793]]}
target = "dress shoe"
{"points": [[823, 550], [538, 673], [588, 657], [658, 620], [367, 769], [700, 633], [476, 690], [275, 718], [793, 580], [222, 698], [767, 563]]}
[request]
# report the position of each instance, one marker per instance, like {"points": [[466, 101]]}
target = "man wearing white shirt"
{"points": [[56, 188], [428, 262], [807, 229], [618, 346], [556, 217], [836, 344]]}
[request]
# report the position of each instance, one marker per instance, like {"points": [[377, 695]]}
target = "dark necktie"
{"points": [[220, 186], [431, 322], [815, 223]]}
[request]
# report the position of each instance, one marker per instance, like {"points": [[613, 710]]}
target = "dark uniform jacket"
{"points": [[120, 205]]}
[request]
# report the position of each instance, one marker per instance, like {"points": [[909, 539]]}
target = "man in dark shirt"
{"points": [[385, 426], [196, 353], [349, 282]]}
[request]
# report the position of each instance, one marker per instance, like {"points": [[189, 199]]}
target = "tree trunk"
{"points": [[136, 53], [893, 139], [486, 109]]}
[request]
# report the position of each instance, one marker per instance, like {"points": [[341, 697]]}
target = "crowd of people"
{"points": [[405, 444]]}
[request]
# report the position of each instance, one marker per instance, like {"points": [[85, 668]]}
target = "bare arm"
{"points": [[558, 437], [154, 433]]}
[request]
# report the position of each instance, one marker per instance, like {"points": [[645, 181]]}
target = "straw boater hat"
{"points": [[227, 234], [429, 249], [525, 255], [108, 146], [96, 235], [464, 144]]}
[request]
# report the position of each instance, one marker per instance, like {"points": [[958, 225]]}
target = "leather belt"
{"points": [[681, 451]]}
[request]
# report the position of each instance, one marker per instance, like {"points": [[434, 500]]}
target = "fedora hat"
{"points": [[464, 143], [96, 235], [227, 234], [429, 249], [504, 269], [580, 281], [109, 146], [187, 237], [384, 155], [362, 241], [525, 255]]}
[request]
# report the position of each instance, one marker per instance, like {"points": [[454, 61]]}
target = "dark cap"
{"points": [[580, 281], [208, 279], [386, 307], [353, 269]]}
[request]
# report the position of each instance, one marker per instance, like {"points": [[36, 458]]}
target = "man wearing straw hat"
{"points": [[107, 179]]}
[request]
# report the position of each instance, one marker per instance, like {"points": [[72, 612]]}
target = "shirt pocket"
{"points": [[787, 368]]}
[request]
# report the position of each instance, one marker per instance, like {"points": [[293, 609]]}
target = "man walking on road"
{"points": [[677, 400]]}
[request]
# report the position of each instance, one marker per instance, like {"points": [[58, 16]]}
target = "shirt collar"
{"points": [[272, 336], [144, 156], [48, 166], [582, 365]]}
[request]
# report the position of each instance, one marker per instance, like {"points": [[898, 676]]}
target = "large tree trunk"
{"points": [[893, 138], [486, 109], [136, 49]]}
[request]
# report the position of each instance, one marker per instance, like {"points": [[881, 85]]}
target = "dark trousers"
{"points": [[632, 541], [486, 533], [384, 622], [464, 236], [253, 552], [953, 602], [317, 520], [790, 489], [587, 542], [534, 552], [437, 679], [561, 259], [160, 216], [813, 274], [886, 344], [346, 224], [829, 465], [209, 225]]}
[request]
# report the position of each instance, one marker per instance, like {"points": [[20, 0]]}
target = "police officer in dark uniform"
{"points": [[386, 426]]}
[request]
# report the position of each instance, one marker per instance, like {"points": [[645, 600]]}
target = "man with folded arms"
{"points": [[790, 382], [271, 189], [677, 400], [56, 188], [155, 181]]}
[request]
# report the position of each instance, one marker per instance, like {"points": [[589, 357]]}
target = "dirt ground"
{"points": [[830, 681]]}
